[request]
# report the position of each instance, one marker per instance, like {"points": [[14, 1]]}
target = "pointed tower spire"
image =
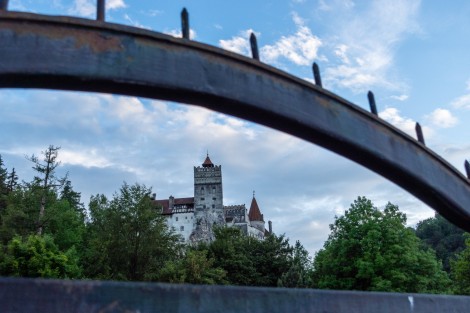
{"points": [[207, 161], [255, 213]]}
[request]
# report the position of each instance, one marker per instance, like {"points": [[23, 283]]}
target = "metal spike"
{"points": [[467, 168], [316, 74], [254, 47], [419, 133], [185, 23], [373, 107], [3, 5], [100, 10]]}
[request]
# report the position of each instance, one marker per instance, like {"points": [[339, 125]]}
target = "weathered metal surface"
{"points": [[3, 4], [373, 106], [419, 133], [35, 295], [77, 54], [316, 75], [100, 10], [185, 31], [254, 47]]}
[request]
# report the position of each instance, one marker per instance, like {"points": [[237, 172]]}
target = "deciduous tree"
{"points": [[38, 256], [443, 237], [127, 237], [368, 249], [460, 270]]}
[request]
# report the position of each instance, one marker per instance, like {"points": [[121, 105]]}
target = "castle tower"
{"points": [[208, 200], [255, 216]]}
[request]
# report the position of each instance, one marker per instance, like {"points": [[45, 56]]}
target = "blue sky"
{"points": [[412, 54]]}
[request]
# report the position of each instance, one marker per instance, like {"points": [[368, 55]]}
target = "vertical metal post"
{"points": [[419, 133], [185, 23], [100, 10], [254, 47], [316, 75], [3, 5], [467, 168], [373, 107]]}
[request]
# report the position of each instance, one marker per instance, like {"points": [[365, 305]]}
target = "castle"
{"points": [[194, 218]]}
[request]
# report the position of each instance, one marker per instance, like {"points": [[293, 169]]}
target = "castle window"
{"points": [[202, 199], [176, 218], [186, 217], [213, 198], [202, 188], [213, 206], [181, 228]]}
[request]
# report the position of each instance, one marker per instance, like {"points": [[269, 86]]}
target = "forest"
{"points": [[46, 231]]}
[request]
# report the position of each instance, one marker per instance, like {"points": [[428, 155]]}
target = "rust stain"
{"points": [[96, 41]]}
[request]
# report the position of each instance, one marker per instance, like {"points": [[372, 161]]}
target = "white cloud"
{"points": [[134, 22], [462, 102], [178, 34], [87, 8], [400, 97], [341, 52], [87, 159], [407, 125], [239, 44], [84, 8], [366, 41], [442, 118], [328, 5], [300, 48], [115, 4]]}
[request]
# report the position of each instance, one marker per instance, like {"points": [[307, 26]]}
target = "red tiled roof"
{"points": [[207, 162], [165, 203], [255, 213]]}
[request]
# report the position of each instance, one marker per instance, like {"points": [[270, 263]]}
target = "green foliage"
{"points": [[20, 216], [193, 268], [460, 270], [442, 236], [230, 252], [127, 238], [3, 185], [300, 273], [373, 250], [65, 224], [38, 256], [252, 262]]}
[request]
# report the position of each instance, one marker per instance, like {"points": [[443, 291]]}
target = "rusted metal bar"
{"points": [[3, 5], [373, 107], [100, 10], [185, 24], [80, 54], [54, 296], [254, 47], [419, 133], [467, 168], [316, 75]]}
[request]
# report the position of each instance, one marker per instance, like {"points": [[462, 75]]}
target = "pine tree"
{"points": [[48, 180]]}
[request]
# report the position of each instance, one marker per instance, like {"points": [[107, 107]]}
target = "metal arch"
{"points": [[38, 51]]}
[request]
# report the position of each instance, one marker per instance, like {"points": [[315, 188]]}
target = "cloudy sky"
{"points": [[412, 54]]}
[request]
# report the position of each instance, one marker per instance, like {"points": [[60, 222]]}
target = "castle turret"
{"points": [[208, 200], [255, 216]]}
